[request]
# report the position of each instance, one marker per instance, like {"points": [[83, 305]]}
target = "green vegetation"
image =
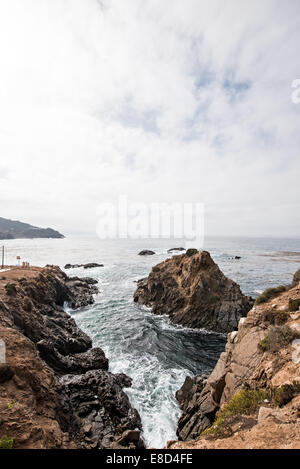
{"points": [[6, 443], [294, 305], [278, 337], [276, 318], [10, 289], [286, 393], [296, 278], [191, 252], [264, 344], [11, 404], [269, 294], [245, 402]]}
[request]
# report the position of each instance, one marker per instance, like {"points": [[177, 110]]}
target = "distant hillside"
{"points": [[10, 229]]}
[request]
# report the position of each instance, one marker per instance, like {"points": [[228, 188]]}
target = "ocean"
{"points": [[154, 353]]}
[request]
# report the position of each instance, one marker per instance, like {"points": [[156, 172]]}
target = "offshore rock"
{"points": [[91, 265], [146, 252], [194, 293]]}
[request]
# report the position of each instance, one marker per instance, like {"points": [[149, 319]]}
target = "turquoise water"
{"points": [[157, 355]]}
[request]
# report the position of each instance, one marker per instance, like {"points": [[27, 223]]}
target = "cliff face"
{"points": [[10, 229], [56, 390], [252, 397], [194, 293]]}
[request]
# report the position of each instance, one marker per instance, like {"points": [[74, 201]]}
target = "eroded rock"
{"points": [[194, 293]]}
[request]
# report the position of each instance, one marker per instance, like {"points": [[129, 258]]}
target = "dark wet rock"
{"points": [[98, 399], [196, 416], [6, 372], [128, 437], [72, 266], [89, 280], [91, 265], [43, 318], [146, 252], [82, 291], [176, 249], [198, 408], [93, 359], [190, 390], [46, 319], [194, 293]]}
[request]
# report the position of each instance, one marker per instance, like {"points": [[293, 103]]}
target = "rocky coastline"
{"points": [[252, 397], [56, 388]]}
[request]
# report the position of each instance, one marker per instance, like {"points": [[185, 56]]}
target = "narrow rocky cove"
{"points": [[57, 390]]}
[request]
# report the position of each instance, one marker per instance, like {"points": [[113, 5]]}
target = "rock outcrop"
{"points": [[261, 357], [56, 390], [146, 252], [176, 249], [91, 265], [194, 292], [10, 229]]}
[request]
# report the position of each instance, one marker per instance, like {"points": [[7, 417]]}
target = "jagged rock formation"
{"points": [[58, 392], [261, 355], [187, 397], [194, 293], [10, 229]]}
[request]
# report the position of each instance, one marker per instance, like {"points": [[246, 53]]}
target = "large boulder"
{"points": [[194, 293]]}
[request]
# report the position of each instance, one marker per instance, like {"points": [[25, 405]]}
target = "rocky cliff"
{"points": [[56, 390], [252, 397], [11, 229], [194, 292]]}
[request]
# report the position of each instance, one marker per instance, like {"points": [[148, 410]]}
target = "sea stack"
{"points": [[194, 292]]}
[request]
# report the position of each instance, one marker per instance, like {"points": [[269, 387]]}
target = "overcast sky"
{"points": [[161, 100]]}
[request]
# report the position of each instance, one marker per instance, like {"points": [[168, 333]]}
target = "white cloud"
{"points": [[162, 101]]}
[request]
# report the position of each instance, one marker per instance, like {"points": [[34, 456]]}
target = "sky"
{"points": [[160, 101]]}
